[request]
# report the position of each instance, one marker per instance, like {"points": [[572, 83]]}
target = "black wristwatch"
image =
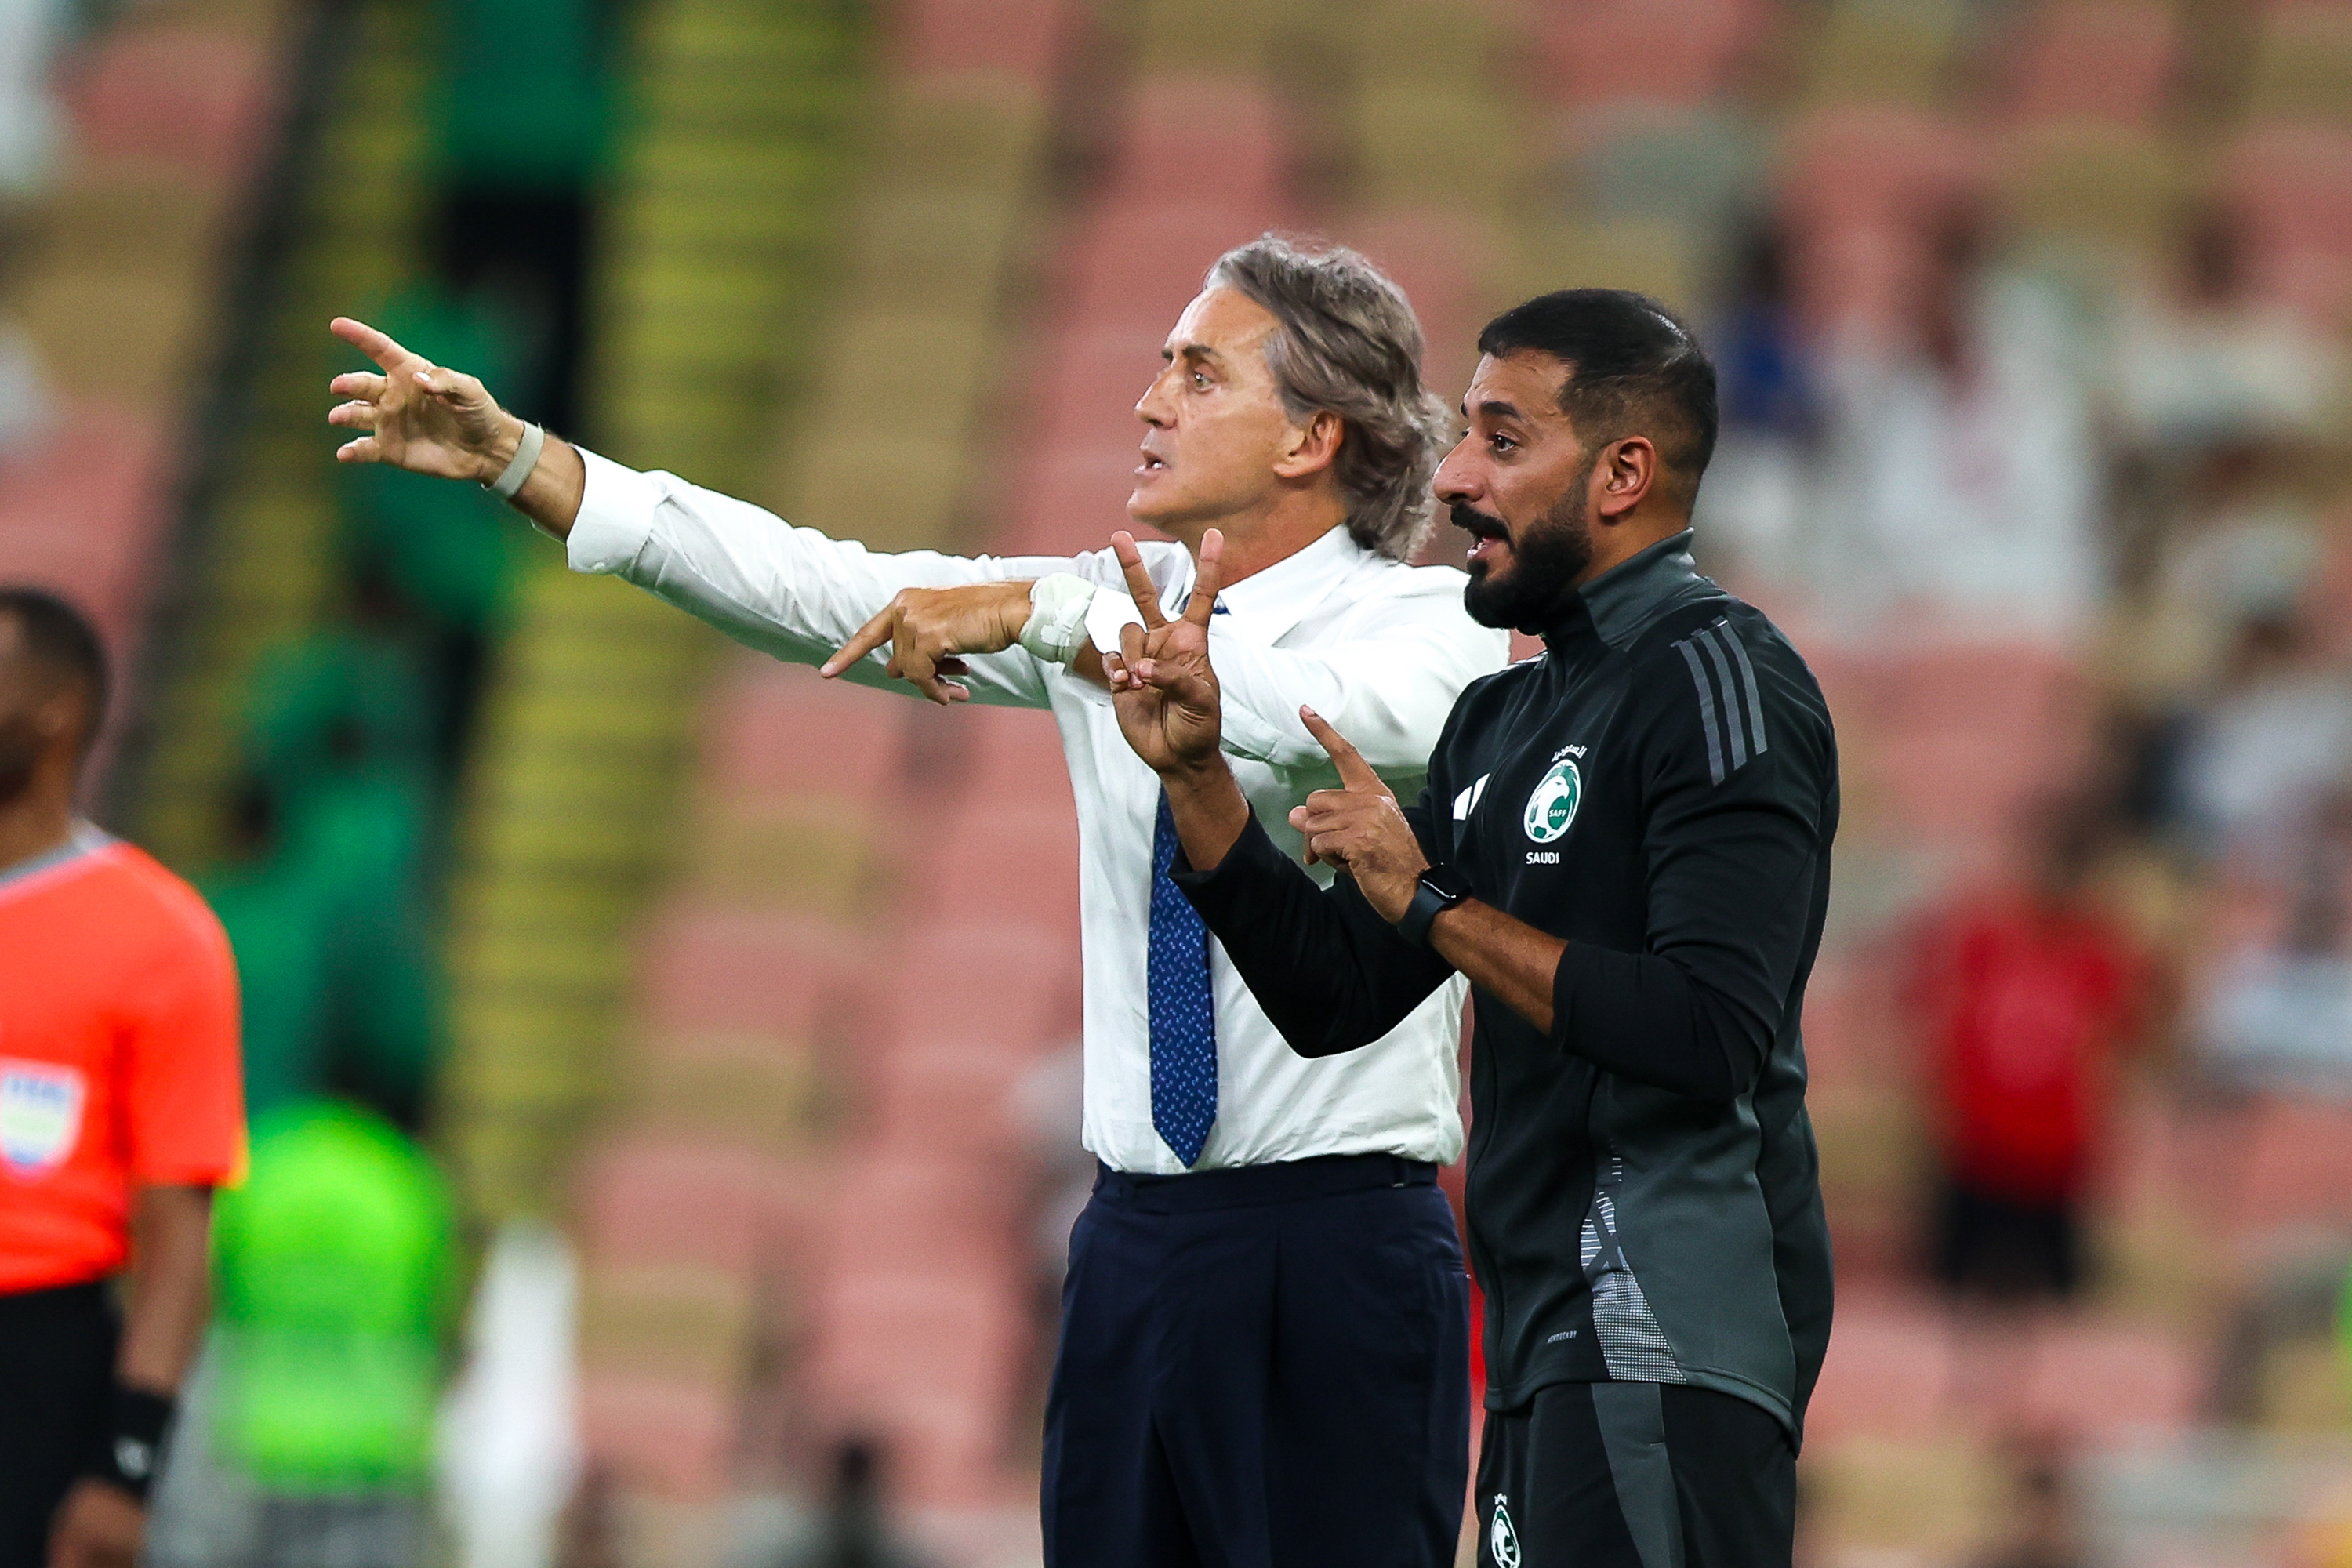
{"points": [[1440, 887]]}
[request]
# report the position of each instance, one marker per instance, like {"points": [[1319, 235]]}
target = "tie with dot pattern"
{"points": [[1183, 1012]]}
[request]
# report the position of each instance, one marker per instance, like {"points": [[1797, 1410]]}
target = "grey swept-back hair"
{"points": [[1350, 344]]}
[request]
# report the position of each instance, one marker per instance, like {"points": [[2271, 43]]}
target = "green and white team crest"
{"points": [[1553, 806], [1502, 1541]]}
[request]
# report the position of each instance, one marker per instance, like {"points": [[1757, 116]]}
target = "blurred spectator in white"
{"points": [[2280, 1012], [1047, 1103], [27, 408], [2235, 545], [30, 31], [2025, 995], [2200, 360], [2271, 746], [1750, 510], [508, 1454], [1961, 488]]}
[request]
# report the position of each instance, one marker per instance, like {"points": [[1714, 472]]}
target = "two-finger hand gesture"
{"points": [[1161, 683], [418, 416], [1359, 828]]}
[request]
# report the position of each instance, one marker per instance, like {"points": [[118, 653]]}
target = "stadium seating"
{"points": [[748, 970]]}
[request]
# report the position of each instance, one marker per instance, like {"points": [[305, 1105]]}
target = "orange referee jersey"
{"points": [[118, 1055]]}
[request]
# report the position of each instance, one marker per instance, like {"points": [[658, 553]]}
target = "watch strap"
{"points": [[1429, 901]]}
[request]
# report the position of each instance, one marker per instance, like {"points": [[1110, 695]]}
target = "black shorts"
{"points": [[57, 1379], [1637, 1475], [2005, 1246]]}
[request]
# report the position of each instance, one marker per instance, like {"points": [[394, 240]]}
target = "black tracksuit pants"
{"points": [[1635, 1475], [1264, 1367]]}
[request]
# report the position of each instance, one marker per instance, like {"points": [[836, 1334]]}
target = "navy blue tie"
{"points": [[1183, 1012]]}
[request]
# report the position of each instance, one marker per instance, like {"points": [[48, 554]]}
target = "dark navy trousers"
{"points": [[1265, 1367]]}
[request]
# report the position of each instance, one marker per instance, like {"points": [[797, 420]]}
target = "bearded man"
{"points": [[1624, 843]]}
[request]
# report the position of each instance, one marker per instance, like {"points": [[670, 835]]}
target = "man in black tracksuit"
{"points": [[1625, 846]]}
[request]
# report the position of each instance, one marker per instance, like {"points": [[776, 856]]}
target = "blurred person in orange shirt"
{"points": [[120, 1114], [2026, 994]]}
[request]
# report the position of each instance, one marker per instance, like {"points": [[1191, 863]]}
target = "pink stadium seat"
{"points": [[1854, 275], [775, 729], [2293, 185], [1660, 51], [1210, 138], [183, 98], [1071, 499], [1839, 1041], [671, 1438], [1087, 400], [919, 1331], [773, 974], [1425, 253], [2106, 60], [2297, 1168], [1019, 38], [1143, 256], [78, 511], [1953, 743], [1875, 164], [654, 1203], [971, 972], [2104, 1381], [1889, 1372]]}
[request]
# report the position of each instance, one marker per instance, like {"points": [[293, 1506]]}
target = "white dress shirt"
{"points": [[1378, 647]]}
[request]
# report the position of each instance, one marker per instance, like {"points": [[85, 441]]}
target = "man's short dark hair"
{"points": [[60, 638], [1634, 369]]}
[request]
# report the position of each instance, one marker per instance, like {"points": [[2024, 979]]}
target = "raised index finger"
{"points": [[370, 342], [1139, 586], [1354, 772]]}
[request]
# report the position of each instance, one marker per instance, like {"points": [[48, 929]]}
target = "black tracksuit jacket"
{"points": [[1659, 787]]}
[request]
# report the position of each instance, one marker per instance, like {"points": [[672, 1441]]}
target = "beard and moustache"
{"points": [[1547, 559]]}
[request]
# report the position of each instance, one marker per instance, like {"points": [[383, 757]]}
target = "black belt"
{"points": [[1244, 1186]]}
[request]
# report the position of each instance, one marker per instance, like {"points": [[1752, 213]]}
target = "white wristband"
{"points": [[517, 469], [1057, 617]]}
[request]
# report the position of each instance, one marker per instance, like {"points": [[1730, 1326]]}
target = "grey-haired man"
{"points": [[1264, 1326]]}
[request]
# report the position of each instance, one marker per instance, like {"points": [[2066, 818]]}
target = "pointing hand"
{"points": [[1359, 827]]}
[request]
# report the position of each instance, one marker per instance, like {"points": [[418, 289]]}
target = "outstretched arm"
{"points": [[790, 592]]}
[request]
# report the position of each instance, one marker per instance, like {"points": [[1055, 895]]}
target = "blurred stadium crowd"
{"points": [[712, 1032]]}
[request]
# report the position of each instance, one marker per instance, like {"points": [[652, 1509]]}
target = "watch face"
{"points": [[1448, 883]]}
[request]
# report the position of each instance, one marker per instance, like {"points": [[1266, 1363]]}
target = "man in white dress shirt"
{"points": [[1265, 1327]]}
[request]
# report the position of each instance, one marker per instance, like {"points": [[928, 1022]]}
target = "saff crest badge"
{"points": [[1551, 810], [1502, 1541]]}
